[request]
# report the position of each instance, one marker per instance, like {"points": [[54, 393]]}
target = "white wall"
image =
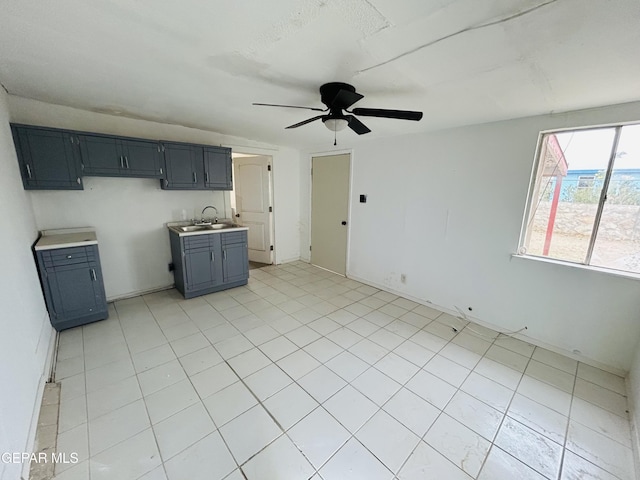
{"points": [[286, 189], [446, 210], [25, 331], [633, 403], [129, 214]]}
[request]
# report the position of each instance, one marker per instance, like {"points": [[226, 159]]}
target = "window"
{"points": [[585, 200], [586, 181]]}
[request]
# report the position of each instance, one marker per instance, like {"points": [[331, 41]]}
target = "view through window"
{"points": [[585, 204]]}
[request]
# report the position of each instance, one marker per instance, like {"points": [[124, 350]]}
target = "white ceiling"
{"points": [[201, 63]]}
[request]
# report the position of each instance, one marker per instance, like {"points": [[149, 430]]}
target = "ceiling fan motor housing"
{"points": [[329, 91]]}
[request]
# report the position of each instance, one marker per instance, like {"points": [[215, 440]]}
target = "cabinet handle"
{"points": [[126, 161], [78, 180], [212, 257], [161, 172], [166, 183], [28, 171], [158, 148], [121, 161], [93, 274], [195, 177], [207, 177], [224, 254]]}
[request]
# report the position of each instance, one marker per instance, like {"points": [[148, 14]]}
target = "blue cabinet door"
{"points": [[108, 156], [217, 167], [199, 268], [203, 264], [101, 156], [235, 262], [184, 167], [142, 159], [49, 159], [75, 291]]}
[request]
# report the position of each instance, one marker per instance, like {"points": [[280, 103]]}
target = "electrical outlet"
{"points": [[403, 278]]}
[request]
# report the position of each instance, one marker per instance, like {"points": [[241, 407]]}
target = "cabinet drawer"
{"points": [[234, 237], [68, 256], [197, 241]]}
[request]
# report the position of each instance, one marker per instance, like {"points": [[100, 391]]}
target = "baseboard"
{"points": [[44, 378], [138, 293], [520, 336], [287, 260], [633, 423]]}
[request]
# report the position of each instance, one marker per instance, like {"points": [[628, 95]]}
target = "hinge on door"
{"points": [[269, 168], [309, 247], [271, 248], [270, 209]]}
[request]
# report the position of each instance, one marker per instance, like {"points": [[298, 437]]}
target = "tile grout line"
{"points": [[506, 411], [155, 439], [200, 399], [566, 431]]}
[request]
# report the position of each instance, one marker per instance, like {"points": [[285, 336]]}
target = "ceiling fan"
{"points": [[338, 97]]}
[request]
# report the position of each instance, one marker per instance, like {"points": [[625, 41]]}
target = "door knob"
{"points": [[344, 222]]}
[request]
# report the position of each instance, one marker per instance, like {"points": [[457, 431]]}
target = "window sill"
{"points": [[590, 268]]}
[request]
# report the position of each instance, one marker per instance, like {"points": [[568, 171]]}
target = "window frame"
{"points": [[526, 219], [589, 179]]}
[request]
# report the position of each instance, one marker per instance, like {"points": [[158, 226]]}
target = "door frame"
{"points": [[349, 200], [272, 217]]}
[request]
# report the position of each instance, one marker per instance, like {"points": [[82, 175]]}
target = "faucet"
{"points": [[215, 218]]}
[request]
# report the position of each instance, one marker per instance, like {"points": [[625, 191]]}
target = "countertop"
{"points": [[175, 227], [64, 238]]}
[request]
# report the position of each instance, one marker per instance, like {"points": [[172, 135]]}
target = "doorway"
{"points": [[253, 194], [330, 211]]}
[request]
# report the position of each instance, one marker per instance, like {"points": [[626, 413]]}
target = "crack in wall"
{"points": [[464, 30]]}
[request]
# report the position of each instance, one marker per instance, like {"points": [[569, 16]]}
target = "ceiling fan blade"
{"points": [[379, 112], [305, 122], [345, 98], [356, 125], [290, 106]]}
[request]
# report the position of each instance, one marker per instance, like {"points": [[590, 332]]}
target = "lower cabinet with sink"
{"points": [[208, 258]]}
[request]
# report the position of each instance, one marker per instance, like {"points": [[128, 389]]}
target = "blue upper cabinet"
{"points": [[49, 159], [184, 167], [52, 159], [197, 167], [120, 157], [217, 168]]}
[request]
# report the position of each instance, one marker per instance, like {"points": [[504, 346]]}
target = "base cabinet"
{"points": [[72, 285], [210, 262]]}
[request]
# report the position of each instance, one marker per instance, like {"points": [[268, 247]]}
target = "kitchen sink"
{"points": [[200, 228], [195, 228]]}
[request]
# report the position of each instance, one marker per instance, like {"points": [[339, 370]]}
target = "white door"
{"points": [[252, 186], [329, 211]]}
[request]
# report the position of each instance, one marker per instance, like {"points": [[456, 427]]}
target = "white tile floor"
{"points": [[304, 374]]}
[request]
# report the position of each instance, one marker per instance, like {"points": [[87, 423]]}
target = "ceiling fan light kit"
{"points": [[335, 124], [338, 97]]}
